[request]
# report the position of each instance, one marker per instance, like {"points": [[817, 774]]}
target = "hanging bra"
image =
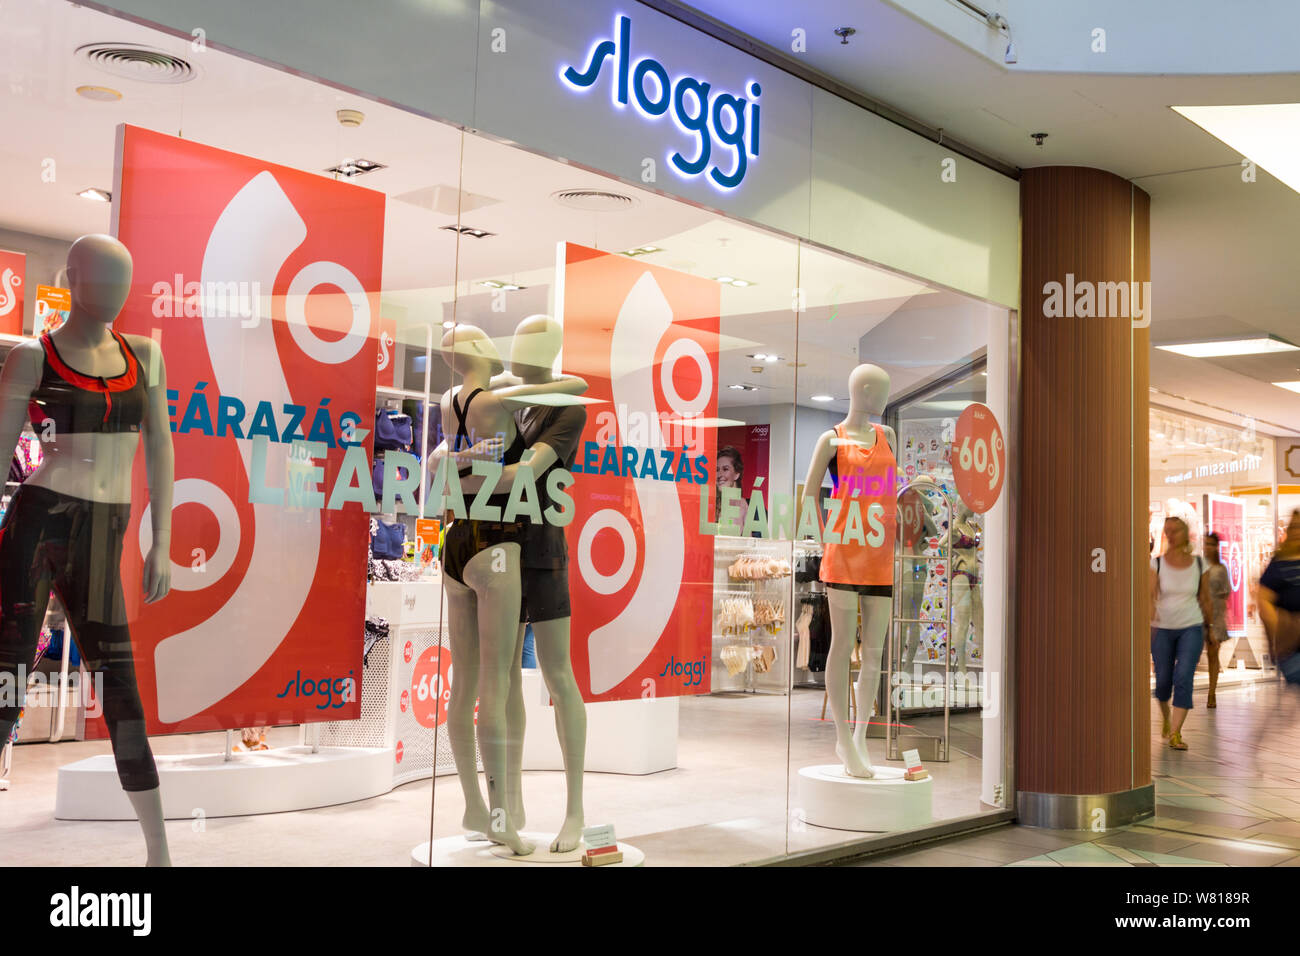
{"points": [[965, 542], [76, 403]]}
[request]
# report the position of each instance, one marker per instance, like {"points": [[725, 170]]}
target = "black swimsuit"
{"points": [[52, 541], [468, 536]]}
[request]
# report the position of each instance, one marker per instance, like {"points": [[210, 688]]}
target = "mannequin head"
{"points": [[535, 347], [99, 275], [868, 390], [468, 350]]}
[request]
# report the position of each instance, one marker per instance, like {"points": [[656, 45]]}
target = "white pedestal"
{"points": [[457, 851], [623, 736], [265, 781], [829, 797]]}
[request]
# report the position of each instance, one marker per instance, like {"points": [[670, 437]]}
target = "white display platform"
{"points": [[829, 797], [623, 736], [457, 851], [264, 781]]}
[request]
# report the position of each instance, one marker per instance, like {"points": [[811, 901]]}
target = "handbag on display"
{"points": [[387, 541], [392, 430]]}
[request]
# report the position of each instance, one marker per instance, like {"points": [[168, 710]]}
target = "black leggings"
{"points": [[74, 546]]}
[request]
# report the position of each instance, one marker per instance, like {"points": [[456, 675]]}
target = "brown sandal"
{"points": [[1176, 742]]}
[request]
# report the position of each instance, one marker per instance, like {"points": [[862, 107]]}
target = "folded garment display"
{"points": [[387, 541], [392, 430], [380, 569]]}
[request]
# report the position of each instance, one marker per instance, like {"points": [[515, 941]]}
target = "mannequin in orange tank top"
{"points": [[858, 569]]}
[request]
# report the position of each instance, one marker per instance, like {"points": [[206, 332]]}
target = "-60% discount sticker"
{"points": [[431, 687], [979, 458]]}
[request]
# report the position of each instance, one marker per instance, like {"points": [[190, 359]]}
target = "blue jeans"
{"points": [[530, 657], [1176, 652]]}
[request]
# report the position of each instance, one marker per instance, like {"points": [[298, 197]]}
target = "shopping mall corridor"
{"points": [[1231, 799]]}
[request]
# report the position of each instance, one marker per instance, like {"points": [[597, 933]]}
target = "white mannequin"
{"points": [[484, 611], [868, 395], [967, 598], [96, 466], [538, 340]]}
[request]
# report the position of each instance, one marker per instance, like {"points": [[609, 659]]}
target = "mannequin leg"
{"points": [[552, 639], [877, 614], [843, 607], [493, 574], [462, 614], [516, 721], [961, 618], [149, 811]]}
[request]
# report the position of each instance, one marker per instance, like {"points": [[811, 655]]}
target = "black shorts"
{"points": [[544, 595], [467, 537], [866, 590]]}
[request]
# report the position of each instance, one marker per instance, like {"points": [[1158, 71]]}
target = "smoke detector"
{"points": [[594, 200], [136, 61], [350, 118]]}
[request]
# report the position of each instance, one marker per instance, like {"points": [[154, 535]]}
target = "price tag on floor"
{"points": [[979, 458]]}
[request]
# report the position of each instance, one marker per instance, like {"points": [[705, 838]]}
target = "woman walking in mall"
{"points": [[1279, 602], [1178, 600], [1217, 588]]}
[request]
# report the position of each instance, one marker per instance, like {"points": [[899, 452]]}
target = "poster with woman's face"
{"points": [[742, 459]]}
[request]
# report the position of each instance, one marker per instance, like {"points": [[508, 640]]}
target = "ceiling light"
{"points": [[823, 398], [449, 324], [1222, 347], [772, 358], [351, 168], [741, 283], [97, 195], [641, 251], [724, 279], [100, 94], [1289, 386], [503, 286], [1268, 133], [743, 388]]}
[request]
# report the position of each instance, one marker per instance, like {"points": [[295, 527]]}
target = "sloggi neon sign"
{"points": [[710, 118]]}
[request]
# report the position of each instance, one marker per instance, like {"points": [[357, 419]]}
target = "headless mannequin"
{"points": [[537, 343], [484, 611], [967, 596], [868, 395], [96, 466]]}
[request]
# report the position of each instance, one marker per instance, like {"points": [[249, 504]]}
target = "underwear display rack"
{"points": [[812, 622], [751, 617]]}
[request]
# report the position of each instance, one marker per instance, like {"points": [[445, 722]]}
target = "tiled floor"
{"points": [[1231, 799]]}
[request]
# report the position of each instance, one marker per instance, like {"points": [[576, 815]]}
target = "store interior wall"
{"points": [[45, 259]]}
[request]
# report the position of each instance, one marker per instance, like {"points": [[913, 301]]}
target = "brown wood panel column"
{"points": [[1082, 638]]}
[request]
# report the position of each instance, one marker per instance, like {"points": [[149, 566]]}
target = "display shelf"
{"points": [[756, 639]]}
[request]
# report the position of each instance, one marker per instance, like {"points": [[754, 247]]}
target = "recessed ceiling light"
{"points": [[449, 324], [504, 286], [823, 398], [723, 279], [1289, 386], [351, 168], [1268, 133], [743, 388], [96, 195], [741, 283], [100, 94], [641, 251], [1222, 347]]}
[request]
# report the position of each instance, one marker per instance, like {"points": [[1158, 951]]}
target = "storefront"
{"points": [[760, 340], [1219, 478]]}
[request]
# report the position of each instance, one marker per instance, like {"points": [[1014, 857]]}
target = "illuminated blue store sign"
{"points": [[709, 118]]}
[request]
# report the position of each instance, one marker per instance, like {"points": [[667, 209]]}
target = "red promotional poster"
{"points": [[13, 267], [262, 285], [646, 340], [1226, 517], [751, 443], [979, 458]]}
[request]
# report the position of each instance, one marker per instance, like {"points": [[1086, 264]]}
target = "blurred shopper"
{"points": [[1279, 602], [1217, 591], [1177, 631]]}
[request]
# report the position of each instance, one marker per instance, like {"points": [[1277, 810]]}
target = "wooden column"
{"points": [[1082, 634]]}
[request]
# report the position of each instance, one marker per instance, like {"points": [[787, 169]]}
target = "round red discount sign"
{"points": [[431, 687], [911, 517], [979, 458]]}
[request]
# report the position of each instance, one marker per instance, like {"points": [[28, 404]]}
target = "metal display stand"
{"points": [[896, 741]]}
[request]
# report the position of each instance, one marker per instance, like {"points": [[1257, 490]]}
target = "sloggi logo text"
{"points": [[709, 118], [342, 688], [692, 672]]}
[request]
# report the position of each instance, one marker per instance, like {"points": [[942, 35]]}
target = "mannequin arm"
{"points": [[160, 469], [1154, 583], [18, 379], [538, 457], [518, 395], [812, 484]]}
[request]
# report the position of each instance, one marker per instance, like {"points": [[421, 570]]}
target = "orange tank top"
{"points": [[864, 553]]}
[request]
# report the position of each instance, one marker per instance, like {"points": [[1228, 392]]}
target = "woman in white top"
{"points": [[1178, 612]]}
